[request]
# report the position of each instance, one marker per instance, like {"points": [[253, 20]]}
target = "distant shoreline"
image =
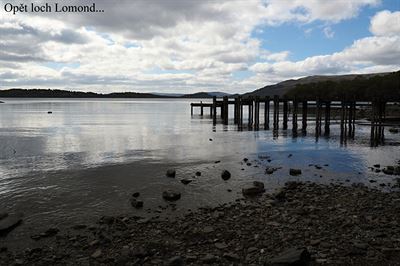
{"points": [[48, 93]]}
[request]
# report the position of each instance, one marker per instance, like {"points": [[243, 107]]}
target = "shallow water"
{"points": [[87, 157]]}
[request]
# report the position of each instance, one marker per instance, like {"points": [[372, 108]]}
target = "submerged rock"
{"points": [[136, 203], [225, 175], [9, 222], [292, 256], [135, 194], [171, 195], [186, 181], [256, 189], [294, 172], [198, 173], [171, 173]]}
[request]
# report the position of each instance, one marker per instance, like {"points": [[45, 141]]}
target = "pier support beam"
{"points": [[266, 112], [285, 114]]}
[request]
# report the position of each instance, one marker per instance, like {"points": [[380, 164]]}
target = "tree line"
{"points": [[385, 87]]}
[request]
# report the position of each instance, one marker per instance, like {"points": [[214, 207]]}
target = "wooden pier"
{"points": [[321, 109]]}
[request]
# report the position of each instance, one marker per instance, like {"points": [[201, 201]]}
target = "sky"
{"points": [[186, 46]]}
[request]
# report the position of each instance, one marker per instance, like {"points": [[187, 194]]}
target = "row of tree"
{"points": [[385, 87]]}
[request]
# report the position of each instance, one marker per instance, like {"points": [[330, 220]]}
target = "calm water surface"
{"points": [[87, 157]]}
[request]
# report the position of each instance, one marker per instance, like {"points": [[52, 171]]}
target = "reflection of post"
{"points": [[266, 113], [304, 118], [342, 121], [214, 110]]}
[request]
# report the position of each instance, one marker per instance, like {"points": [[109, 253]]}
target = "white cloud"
{"points": [[386, 23], [329, 33]]}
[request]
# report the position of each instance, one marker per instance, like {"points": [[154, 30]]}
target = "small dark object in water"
{"points": [[49, 112], [292, 256], [393, 130], [290, 155], [225, 175], [171, 173], [248, 164], [136, 194], [294, 171], [210, 139], [136, 203], [377, 165], [186, 181], [171, 195], [9, 222], [245, 159], [217, 161], [198, 173]]}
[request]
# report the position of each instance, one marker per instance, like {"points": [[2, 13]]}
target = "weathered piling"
{"points": [[285, 114], [201, 108], [266, 112], [225, 108], [236, 111], [240, 111], [257, 112], [327, 118], [304, 117], [318, 117], [276, 112], [214, 106], [294, 116], [250, 116]]}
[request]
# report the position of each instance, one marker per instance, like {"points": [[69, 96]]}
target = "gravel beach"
{"points": [[301, 224]]}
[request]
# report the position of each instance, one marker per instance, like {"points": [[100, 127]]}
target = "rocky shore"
{"points": [[302, 224]]}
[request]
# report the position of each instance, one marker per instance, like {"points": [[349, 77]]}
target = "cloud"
{"points": [[329, 33], [182, 46], [386, 23]]}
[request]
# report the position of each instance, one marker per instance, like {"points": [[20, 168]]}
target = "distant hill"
{"points": [[285, 86], [205, 95], [43, 93]]}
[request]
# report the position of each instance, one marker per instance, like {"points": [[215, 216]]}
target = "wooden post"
{"points": [[294, 118], [327, 117], [201, 108], [266, 113], [191, 109], [250, 104], [235, 111], [240, 111], [285, 114], [257, 112], [225, 105], [214, 110], [304, 118], [276, 112]]}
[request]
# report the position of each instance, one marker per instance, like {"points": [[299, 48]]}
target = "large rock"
{"points": [[293, 256], [294, 171], [9, 222], [225, 175], [136, 203], [171, 195], [256, 189], [171, 173]]}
